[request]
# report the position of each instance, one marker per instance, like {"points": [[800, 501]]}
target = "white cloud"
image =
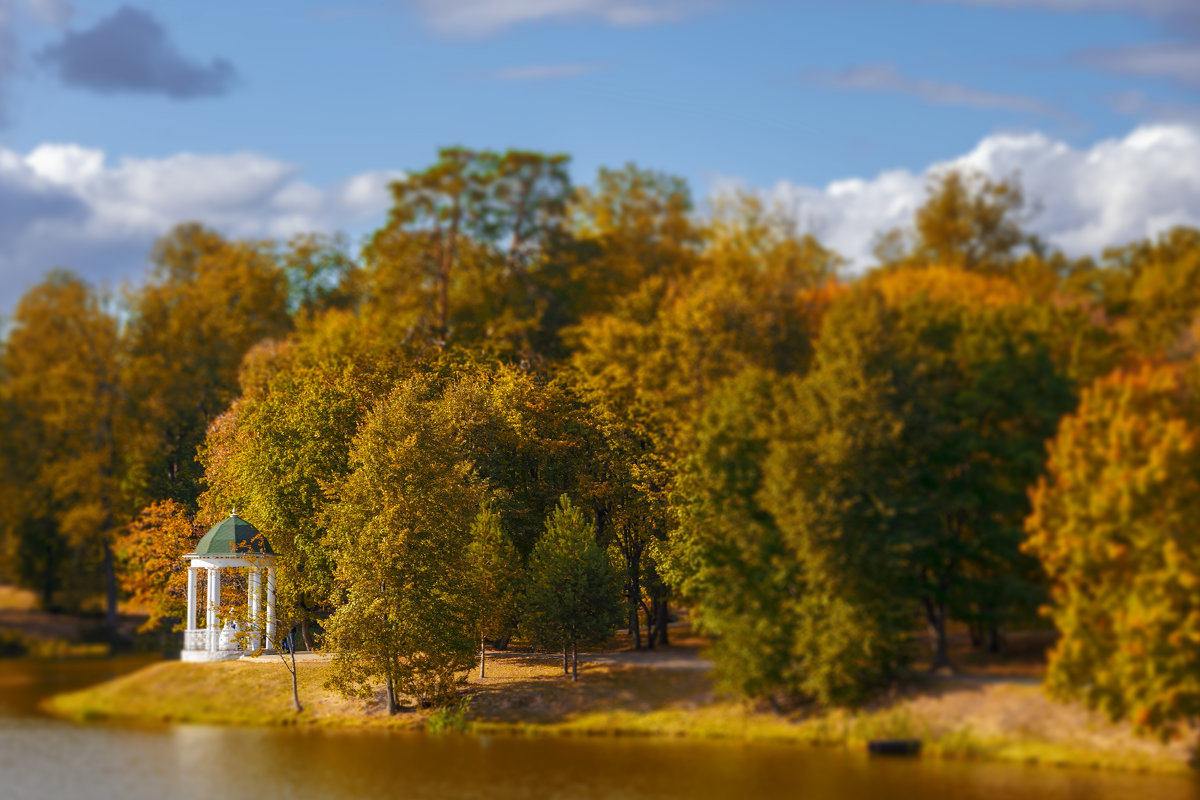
{"points": [[483, 17], [1113, 192], [66, 205]]}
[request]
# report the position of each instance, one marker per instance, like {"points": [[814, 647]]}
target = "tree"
{"points": [[286, 441], [572, 594], [207, 303], [63, 368], [752, 298], [153, 574], [968, 221], [405, 610], [789, 544], [454, 261], [978, 394], [499, 576], [1149, 290], [321, 275], [1113, 524]]}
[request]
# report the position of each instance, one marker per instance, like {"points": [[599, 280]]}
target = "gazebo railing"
{"points": [[195, 639]]}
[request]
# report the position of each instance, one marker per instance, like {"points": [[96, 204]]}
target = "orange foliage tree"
{"points": [[152, 573], [1114, 524]]}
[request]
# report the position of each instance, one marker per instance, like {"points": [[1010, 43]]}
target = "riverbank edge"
{"points": [[130, 700]]}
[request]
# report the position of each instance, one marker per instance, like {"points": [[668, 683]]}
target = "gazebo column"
{"points": [[270, 607], [214, 602], [191, 599], [255, 624]]}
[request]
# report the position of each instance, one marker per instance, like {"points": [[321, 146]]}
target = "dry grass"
{"points": [[14, 599], [527, 694]]}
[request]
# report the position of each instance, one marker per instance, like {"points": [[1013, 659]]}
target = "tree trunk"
{"points": [[664, 616], [649, 611], [574, 661], [110, 589], [305, 631], [975, 627], [995, 638], [482, 657], [635, 591], [935, 616], [566, 666], [391, 696], [295, 680]]}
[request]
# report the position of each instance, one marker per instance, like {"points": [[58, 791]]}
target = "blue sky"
{"points": [[271, 117]]}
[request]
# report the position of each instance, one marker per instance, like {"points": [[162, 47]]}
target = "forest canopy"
{"points": [[530, 408]]}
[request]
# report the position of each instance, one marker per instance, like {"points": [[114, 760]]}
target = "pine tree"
{"points": [[572, 597]]}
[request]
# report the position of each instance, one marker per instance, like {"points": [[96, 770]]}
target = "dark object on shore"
{"points": [[894, 747]]}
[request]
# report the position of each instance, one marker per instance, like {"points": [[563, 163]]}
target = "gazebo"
{"points": [[231, 543]]}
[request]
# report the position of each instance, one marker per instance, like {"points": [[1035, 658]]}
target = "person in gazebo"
{"points": [[232, 543]]}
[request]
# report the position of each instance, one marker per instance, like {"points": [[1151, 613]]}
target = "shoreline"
{"points": [[962, 717]]}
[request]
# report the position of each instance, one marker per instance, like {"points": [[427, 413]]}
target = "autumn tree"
{"points": [[571, 597], [286, 441], [63, 369], [208, 301], [968, 221], [1148, 289], [405, 611], [456, 260], [499, 576], [751, 298], [321, 275], [152, 572], [1113, 524]]}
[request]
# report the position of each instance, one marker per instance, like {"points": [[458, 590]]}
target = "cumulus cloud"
{"points": [[545, 72], [886, 78], [1113, 192], [130, 51], [65, 205], [483, 17]]}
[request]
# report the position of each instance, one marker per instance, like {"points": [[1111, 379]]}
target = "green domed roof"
{"points": [[233, 536]]}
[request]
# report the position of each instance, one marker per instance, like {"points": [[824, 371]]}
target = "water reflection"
{"points": [[42, 758]]}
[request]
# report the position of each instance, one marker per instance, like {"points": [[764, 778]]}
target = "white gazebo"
{"points": [[235, 543]]}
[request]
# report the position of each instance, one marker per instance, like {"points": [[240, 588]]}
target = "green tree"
{"points": [[499, 576], [285, 443], [788, 544], [405, 607], [572, 594], [981, 396], [1113, 524]]}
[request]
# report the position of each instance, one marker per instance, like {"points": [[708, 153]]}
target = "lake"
{"points": [[45, 759]]}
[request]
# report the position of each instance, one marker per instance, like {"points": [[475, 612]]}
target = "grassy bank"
{"points": [[527, 695]]}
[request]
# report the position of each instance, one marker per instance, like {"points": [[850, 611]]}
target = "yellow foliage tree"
{"points": [[1114, 524]]}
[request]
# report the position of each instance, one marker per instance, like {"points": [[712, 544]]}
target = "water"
{"points": [[44, 759]]}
